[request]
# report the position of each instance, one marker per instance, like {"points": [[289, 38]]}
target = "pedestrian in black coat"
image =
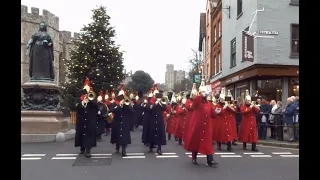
{"points": [[86, 125], [156, 135], [120, 132]]}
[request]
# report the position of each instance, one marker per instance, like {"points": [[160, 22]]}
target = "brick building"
{"points": [[274, 70]]}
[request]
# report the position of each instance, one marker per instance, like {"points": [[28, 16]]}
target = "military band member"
{"points": [[101, 119], [107, 104], [120, 132], [86, 120]]}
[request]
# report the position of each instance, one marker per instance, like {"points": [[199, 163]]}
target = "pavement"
{"points": [[52, 161]]}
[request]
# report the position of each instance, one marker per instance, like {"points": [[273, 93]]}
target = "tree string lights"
{"points": [[96, 56]]}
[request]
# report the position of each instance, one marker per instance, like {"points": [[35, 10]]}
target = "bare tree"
{"points": [[194, 63]]}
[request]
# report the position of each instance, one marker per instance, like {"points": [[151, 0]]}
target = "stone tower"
{"points": [[61, 41]]}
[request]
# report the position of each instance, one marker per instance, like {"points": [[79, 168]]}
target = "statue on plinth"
{"points": [[41, 55]]}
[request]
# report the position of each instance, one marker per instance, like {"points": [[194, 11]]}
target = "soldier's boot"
{"points": [[151, 148], [180, 141], [88, 152], [159, 150], [219, 145], [210, 161], [244, 146], [117, 149], [82, 149], [254, 147], [194, 158], [229, 148], [169, 136], [124, 151]]}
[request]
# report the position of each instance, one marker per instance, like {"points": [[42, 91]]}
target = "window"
{"points": [[294, 2], [208, 45], [295, 40], [219, 28], [215, 34], [239, 7], [220, 63], [233, 53]]}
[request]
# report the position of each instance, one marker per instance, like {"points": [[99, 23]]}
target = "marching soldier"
{"points": [[199, 137], [101, 117], [120, 132], [172, 117], [86, 120]]}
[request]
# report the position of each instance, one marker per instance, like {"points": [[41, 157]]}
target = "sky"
{"points": [[151, 33]]}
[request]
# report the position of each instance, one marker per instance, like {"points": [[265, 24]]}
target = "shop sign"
{"points": [[247, 47], [269, 32]]}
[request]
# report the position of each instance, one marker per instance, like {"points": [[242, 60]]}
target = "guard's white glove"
{"points": [[251, 106], [183, 108], [225, 106], [157, 102], [173, 112], [151, 106], [145, 101], [109, 114], [112, 101], [168, 115], [218, 111], [99, 112]]}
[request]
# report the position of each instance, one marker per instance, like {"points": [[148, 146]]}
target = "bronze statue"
{"points": [[41, 55]]}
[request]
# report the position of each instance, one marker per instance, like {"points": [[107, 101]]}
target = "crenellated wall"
{"points": [[61, 40]]}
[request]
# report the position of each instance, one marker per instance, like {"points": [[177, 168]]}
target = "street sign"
{"points": [[196, 78]]}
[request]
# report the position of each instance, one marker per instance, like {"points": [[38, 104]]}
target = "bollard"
{"points": [[72, 117]]}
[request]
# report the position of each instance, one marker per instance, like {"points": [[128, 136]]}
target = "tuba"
{"points": [[127, 101]]}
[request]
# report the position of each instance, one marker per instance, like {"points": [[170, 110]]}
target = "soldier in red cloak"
{"points": [[189, 107], [172, 118], [224, 124], [248, 126], [199, 137], [181, 113]]}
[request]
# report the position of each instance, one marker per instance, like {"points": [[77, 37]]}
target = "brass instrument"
{"points": [[110, 115], [127, 101], [90, 96], [163, 100]]}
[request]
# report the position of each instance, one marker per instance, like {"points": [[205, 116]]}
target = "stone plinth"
{"points": [[41, 118]]}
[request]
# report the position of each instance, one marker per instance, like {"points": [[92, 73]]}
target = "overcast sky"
{"points": [[152, 33]]}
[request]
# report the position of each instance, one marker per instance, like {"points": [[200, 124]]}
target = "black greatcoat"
{"points": [[86, 125], [120, 132], [145, 115], [136, 108], [156, 130], [101, 118]]}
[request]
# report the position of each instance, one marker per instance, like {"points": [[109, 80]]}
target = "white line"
{"points": [[170, 156], [253, 153], [135, 154], [99, 157], [227, 156], [224, 153], [281, 153], [31, 158], [200, 156], [134, 157], [260, 155], [67, 155], [292, 155], [58, 158], [33, 155], [101, 154], [166, 153]]}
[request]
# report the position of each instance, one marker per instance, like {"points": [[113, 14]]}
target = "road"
{"points": [[54, 161]]}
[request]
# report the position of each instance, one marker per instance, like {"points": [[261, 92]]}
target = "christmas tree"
{"points": [[96, 56]]}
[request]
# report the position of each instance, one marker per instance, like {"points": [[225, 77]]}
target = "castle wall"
{"points": [[61, 41]]}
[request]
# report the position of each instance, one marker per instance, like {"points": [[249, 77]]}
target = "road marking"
{"points": [[99, 157], [292, 155], [220, 153], [33, 155], [101, 154], [134, 157], [260, 155], [199, 155], [227, 156], [169, 156], [253, 153], [187, 153], [58, 158], [67, 154], [31, 158], [281, 153], [166, 153], [135, 154]]}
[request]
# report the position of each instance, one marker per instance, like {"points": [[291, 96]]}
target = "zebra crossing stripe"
{"points": [[33, 155], [279, 153]]}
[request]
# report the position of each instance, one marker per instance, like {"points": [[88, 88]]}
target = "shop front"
{"points": [[271, 83]]}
